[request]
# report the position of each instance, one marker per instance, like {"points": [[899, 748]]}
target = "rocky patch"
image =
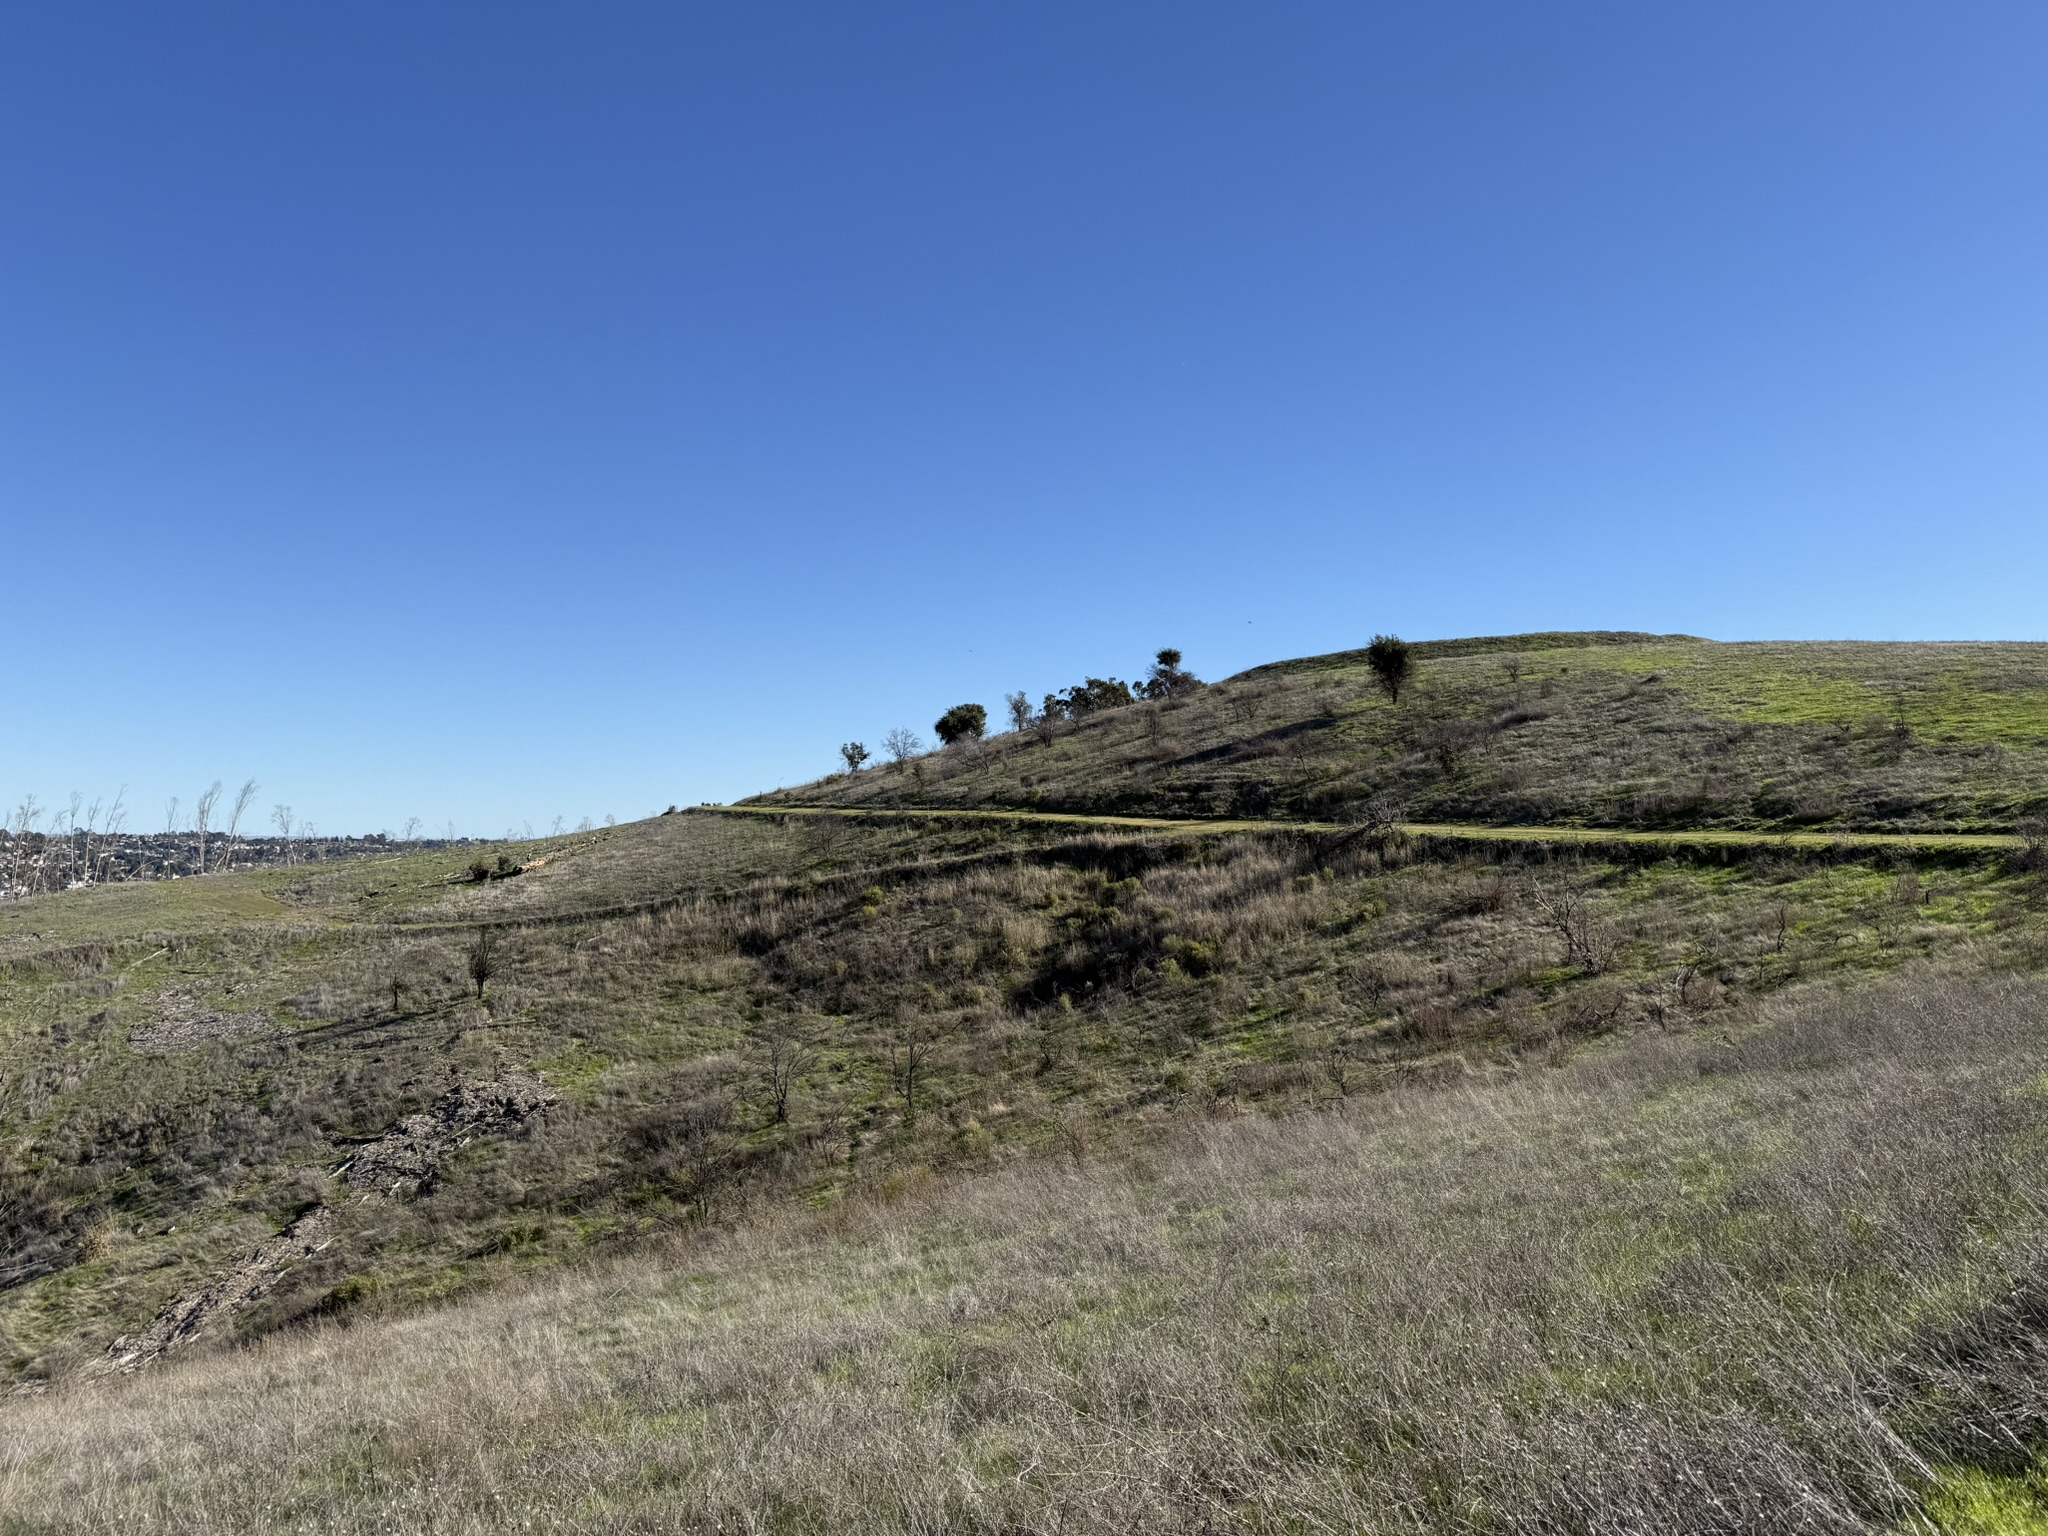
{"points": [[201, 1311], [405, 1160], [181, 1028]]}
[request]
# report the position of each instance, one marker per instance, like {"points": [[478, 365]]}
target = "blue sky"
{"points": [[496, 412]]}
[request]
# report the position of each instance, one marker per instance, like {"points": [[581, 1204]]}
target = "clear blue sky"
{"points": [[499, 411]]}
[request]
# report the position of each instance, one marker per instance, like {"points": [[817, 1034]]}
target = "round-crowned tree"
{"points": [[963, 722], [1390, 662]]}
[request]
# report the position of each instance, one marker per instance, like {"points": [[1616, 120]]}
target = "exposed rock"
{"points": [[401, 1162], [200, 1311], [406, 1158], [182, 1027]]}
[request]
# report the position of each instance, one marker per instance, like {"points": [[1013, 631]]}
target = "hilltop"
{"points": [[1605, 730], [1016, 1136]]}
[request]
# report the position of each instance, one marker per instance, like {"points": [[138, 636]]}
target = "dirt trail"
{"points": [[1928, 841]]}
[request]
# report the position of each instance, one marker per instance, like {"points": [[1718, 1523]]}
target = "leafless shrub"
{"points": [[1564, 899], [482, 960], [785, 1058]]}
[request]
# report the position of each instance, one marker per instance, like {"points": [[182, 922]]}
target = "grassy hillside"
{"points": [[1103, 1172], [1781, 1277], [1596, 730]]}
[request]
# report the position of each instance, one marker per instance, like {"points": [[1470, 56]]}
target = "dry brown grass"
{"points": [[1689, 1284]]}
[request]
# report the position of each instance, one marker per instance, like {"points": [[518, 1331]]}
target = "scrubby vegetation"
{"points": [[771, 1169]]}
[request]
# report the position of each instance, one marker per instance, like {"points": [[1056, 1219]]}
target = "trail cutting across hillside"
{"points": [[1929, 842]]}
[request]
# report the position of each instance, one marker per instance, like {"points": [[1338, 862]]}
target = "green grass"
{"points": [[1671, 734], [1970, 694]]}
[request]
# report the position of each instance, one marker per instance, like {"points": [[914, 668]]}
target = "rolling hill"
{"points": [[1264, 1166], [1612, 730]]}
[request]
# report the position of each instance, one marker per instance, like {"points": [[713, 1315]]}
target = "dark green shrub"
{"points": [[963, 722], [1088, 697], [1391, 662]]}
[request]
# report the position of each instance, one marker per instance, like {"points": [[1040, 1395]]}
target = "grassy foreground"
{"points": [[1784, 1275]]}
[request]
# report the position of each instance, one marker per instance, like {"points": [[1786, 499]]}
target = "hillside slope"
{"points": [[1597, 730], [1782, 1278], [241, 1107]]}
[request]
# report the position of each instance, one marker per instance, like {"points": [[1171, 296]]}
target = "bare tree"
{"points": [[902, 744], [906, 1061], [1565, 904], [70, 829], [483, 961], [20, 868], [786, 1057], [242, 798], [117, 818], [202, 815], [281, 818]]}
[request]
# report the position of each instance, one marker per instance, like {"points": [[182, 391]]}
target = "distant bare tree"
{"points": [[483, 961], [786, 1057], [902, 744], [906, 1061], [242, 798], [117, 818], [1382, 814], [1565, 904], [412, 829], [71, 829], [281, 818], [202, 816], [20, 868]]}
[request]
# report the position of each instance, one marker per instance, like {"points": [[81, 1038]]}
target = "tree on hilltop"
{"points": [[963, 722], [1088, 697], [855, 754], [1168, 680], [1389, 658], [902, 743]]}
